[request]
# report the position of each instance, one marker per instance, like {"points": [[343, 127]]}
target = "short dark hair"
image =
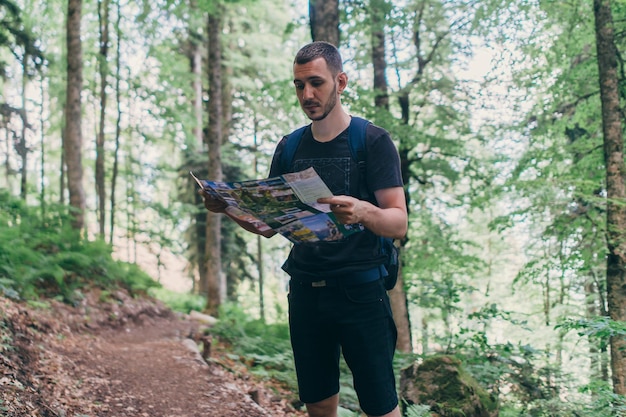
{"points": [[320, 49]]}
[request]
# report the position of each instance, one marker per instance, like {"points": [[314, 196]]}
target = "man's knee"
{"points": [[325, 408]]}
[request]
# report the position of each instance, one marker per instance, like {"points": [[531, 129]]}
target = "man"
{"points": [[337, 300]]}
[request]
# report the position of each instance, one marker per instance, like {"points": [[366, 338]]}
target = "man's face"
{"points": [[316, 88]]}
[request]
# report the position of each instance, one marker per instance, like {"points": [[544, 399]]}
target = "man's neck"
{"points": [[331, 126]]}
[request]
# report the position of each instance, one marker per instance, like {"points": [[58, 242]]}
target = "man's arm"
{"points": [[217, 206], [388, 220]]}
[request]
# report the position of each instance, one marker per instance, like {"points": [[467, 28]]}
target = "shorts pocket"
{"points": [[370, 292]]}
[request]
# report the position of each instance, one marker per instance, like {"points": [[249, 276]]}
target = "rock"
{"points": [[441, 383], [202, 318], [193, 347]]}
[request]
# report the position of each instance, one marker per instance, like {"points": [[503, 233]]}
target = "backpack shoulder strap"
{"points": [[291, 145], [358, 148], [356, 137]]}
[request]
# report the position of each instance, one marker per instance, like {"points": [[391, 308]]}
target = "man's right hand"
{"points": [[213, 204]]}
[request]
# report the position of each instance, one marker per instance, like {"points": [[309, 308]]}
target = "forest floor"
{"points": [[123, 357]]}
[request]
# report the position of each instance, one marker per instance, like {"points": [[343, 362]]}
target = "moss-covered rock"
{"points": [[442, 383]]}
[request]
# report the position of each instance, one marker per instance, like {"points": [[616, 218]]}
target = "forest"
{"points": [[508, 118]]}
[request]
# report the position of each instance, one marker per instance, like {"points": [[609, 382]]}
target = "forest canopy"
{"points": [[508, 118]]}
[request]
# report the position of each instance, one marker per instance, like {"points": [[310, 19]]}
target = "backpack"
{"points": [[356, 141]]}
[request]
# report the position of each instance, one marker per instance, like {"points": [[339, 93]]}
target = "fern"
{"points": [[42, 255]]}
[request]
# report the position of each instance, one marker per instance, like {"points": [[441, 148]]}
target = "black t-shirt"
{"points": [[334, 164]]}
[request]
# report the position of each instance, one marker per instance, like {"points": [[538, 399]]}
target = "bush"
{"points": [[41, 255], [265, 347]]}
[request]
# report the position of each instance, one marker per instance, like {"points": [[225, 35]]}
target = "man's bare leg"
{"points": [[325, 408]]}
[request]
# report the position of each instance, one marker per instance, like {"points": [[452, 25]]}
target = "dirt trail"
{"points": [[124, 359]]}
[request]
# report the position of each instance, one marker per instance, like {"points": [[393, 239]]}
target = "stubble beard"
{"points": [[330, 105]]}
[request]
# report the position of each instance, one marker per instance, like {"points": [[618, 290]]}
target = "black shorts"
{"points": [[355, 320]]}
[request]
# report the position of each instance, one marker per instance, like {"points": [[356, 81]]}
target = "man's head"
{"points": [[321, 49], [319, 79]]}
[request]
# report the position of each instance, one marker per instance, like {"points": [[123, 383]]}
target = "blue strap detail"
{"points": [[356, 138], [289, 150], [345, 280]]}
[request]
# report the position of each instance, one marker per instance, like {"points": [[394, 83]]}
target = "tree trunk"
{"points": [[399, 304], [195, 62], [400, 309], [229, 279], [7, 160], [72, 143], [194, 53], [259, 241], [62, 170], [214, 286], [21, 146], [42, 146], [118, 122], [615, 186], [591, 313], [324, 20], [4, 125], [381, 98], [103, 21]]}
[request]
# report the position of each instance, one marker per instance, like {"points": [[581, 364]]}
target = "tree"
{"points": [[103, 58], [565, 175], [379, 11], [615, 185], [378, 14], [213, 284], [195, 62], [118, 121], [426, 118], [21, 145], [17, 38], [324, 20], [72, 144], [22, 44]]}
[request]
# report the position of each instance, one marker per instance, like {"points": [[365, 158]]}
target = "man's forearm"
{"points": [[389, 222]]}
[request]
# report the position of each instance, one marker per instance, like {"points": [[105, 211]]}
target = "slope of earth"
{"points": [[114, 355]]}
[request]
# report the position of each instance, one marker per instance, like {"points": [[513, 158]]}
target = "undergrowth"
{"points": [[42, 256], [264, 347]]}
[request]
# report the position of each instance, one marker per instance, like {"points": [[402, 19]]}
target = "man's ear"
{"points": [[342, 82]]}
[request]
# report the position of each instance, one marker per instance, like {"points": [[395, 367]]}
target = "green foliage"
{"points": [[416, 410], [265, 346], [42, 256], [604, 400], [16, 37], [181, 302], [266, 349], [437, 268], [445, 383], [600, 328], [555, 191], [557, 187]]}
